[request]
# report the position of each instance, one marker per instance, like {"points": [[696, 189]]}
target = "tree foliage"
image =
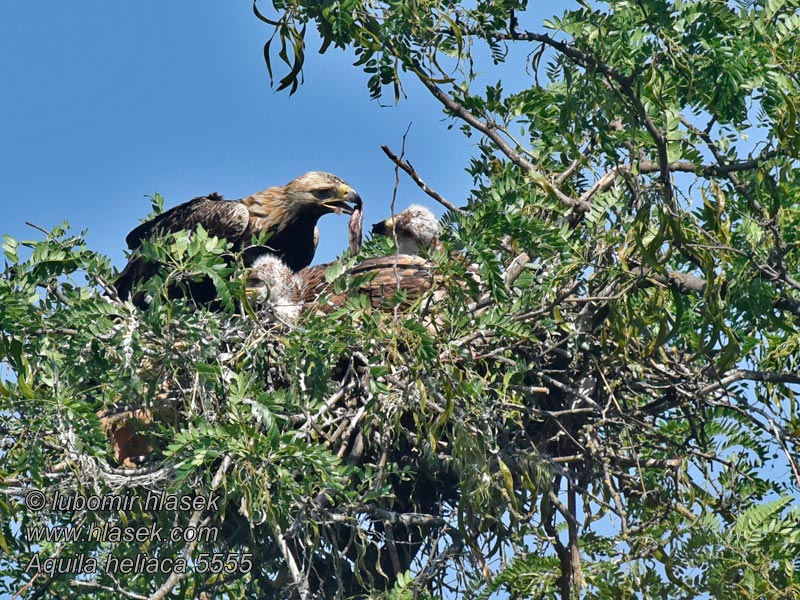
{"points": [[596, 400]]}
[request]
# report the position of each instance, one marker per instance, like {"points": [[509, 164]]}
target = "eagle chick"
{"points": [[417, 232], [415, 228], [271, 283]]}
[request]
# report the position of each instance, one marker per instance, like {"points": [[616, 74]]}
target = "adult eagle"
{"points": [[288, 214]]}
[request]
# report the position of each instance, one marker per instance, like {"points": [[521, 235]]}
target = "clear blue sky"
{"points": [[106, 102]]}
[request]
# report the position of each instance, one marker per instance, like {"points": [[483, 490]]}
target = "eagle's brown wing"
{"points": [[387, 275], [405, 273], [218, 217]]}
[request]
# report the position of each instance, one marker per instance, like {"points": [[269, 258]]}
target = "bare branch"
{"points": [[406, 166], [487, 129], [297, 576], [575, 164], [37, 227], [175, 577], [682, 282], [407, 519], [114, 590], [750, 375], [515, 269]]}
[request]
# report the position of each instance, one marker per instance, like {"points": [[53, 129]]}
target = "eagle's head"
{"points": [[416, 229], [321, 193], [306, 198]]}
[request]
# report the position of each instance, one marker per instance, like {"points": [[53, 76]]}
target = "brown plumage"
{"points": [[385, 277], [131, 432], [288, 213], [382, 277], [417, 231]]}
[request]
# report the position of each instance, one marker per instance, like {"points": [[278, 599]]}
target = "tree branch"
{"points": [[485, 128], [750, 375], [406, 166], [625, 84], [175, 577]]}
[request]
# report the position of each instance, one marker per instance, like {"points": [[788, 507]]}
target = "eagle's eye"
{"points": [[323, 194]]}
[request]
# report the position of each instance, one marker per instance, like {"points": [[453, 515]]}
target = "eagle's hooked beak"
{"points": [[343, 204], [253, 287], [383, 227]]}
